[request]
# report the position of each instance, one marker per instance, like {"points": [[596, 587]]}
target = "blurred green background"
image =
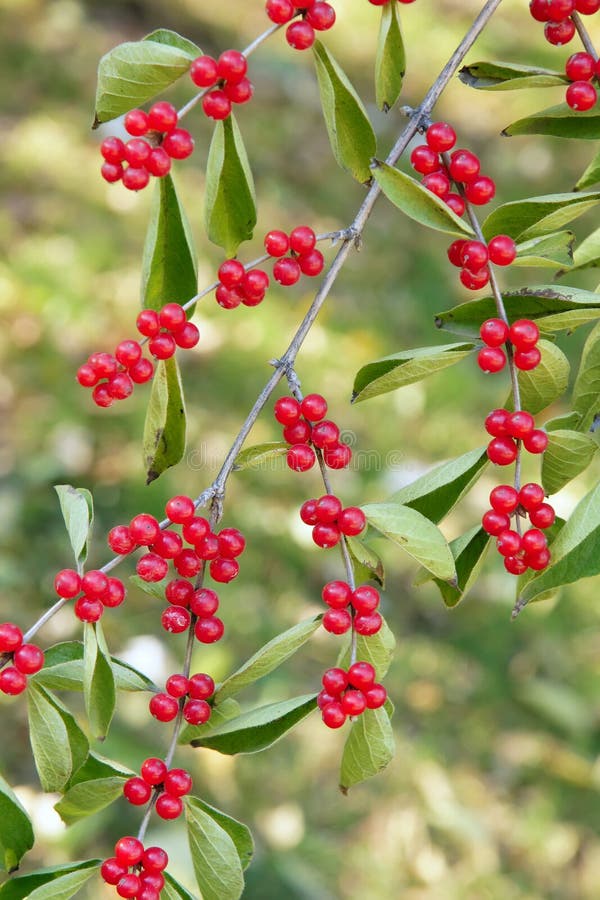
{"points": [[494, 789]]}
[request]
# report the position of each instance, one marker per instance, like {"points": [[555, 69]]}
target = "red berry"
{"points": [[240, 92], [155, 859], [209, 630], [324, 434], [113, 150], [179, 592], [162, 116], [12, 682], [286, 271], [224, 570], [112, 172], [495, 523], [314, 407], [129, 886], [135, 179], [337, 594], [474, 281], [232, 66], [496, 422], [175, 619], [104, 364], [375, 696], [168, 545], [480, 191], [28, 659], [579, 67], [441, 137], [153, 770], [208, 547], [520, 424], [142, 371], [333, 715], [180, 509], [216, 105], [531, 496], [587, 7], [538, 561], [581, 95], [277, 243], [115, 593], [67, 583], [302, 239], [88, 609], [137, 152], [147, 323], [438, 183], [456, 204], [527, 359], [424, 160], [474, 255], [178, 782], [169, 807], [335, 681], [203, 71], [455, 252], [144, 529], [137, 791], [187, 336], [560, 9], [533, 541], [368, 623], [502, 250], [197, 712], [494, 332], [539, 10], [308, 512], [543, 516], [515, 565], [326, 536], [502, 451], [162, 346], [201, 686], [298, 433], [491, 359], [231, 543], [179, 144], [464, 166], [300, 35], [328, 509], [508, 543], [312, 263], [323, 698], [536, 442], [280, 11], [172, 317], [11, 637], [101, 396], [120, 386], [163, 707], [128, 353], [504, 499], [255, 283], [300, 458], [524, 334], [365, 599], [287, 410], [204, 602], [353, 703], [361, 675], [151, 567], [87, 376], [129, 851], [94, 583], [177, 686], [112, 871], [352, 521], [337, 621], [321, 16], [136, 122], [337, 456]]}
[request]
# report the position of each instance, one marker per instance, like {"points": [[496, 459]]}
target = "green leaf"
{"points": [[559, 121], [214, 855], [469, 552], [547, 382], [568, 454], [58, 743], [56, 883], [230, 203], [256, 457], [438, 491], [536, 216], [238, 832], [369, 748], [89, 797], [63, 671], [414, 533], [378, 649], [226, 710], [554, 308], [165, 426], [77, 508], [173, 890], [169, 269], [136, 71], [586, 391], [575, 552], [99, 691], [417, 202], [16, 834], [96, 767], [568, 420], [548, 251], [259, 728], [501, 76], [367, 564], [390, 62], [268, 658], [350, 132], [591, 175], [586, 254], [154, 589], [399, 369]]}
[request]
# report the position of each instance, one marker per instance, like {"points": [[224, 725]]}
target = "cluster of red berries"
{"points": [[26, 659], [145, 881], [227, 77], [304, 424], [145, 157], [236, 285], [529, 550], [473, 258], [507, 429], [315, 16], [349, 693], [98, 592], [170, 785], [523, 335], [580, 69], [330, 520], [198, 688], [304, 258], [364, 600], [114, 377], [559, 27]]}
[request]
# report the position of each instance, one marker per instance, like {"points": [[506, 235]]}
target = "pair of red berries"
{"points": [[227, 75], [304, 424], [581, 68], [330, 520], [473, 258], [99, 591], [463, 169], [144, 158], [170, 785], [507, 429], [522, 334], [559, 27], [530, 550], [198, 689], [304, 258], [316, 16], [26, 659], [349, 693], [146, 881], [364, 600]]}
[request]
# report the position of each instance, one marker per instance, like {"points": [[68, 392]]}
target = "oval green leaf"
{"points": [[469, 552], [165, 426], [548, 251], [367, 564], [559, 121], [568, 454], [237, 831], [586, 391], [260, 455], [16, 834], [547, 382], [230, 203], [501, 76], [226, 710], [173, 890], [390, 61], [536, 216], [56, 883], [58, 743], [99, 690], [63, 671], [369, 748], [591, 175], [77, 507], [350, 132], [89, 797], [214, 855]]}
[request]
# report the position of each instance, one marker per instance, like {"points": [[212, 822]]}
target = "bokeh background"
{"points": [[494, 789]]}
